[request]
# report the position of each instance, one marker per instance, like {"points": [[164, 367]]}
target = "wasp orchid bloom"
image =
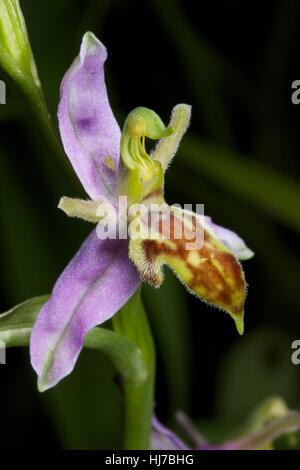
{"points": [[107, 270]]}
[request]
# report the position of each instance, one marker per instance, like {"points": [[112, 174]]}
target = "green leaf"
{"points": [[250, 180], [17, 323]]}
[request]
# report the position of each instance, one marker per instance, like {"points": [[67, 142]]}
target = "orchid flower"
{"points": [[106, 272], [271, 421]]}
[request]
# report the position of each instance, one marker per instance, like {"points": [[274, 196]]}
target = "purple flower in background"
{"points": [[106, 272], [261, 436]]}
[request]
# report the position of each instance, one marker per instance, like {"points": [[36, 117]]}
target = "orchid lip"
{"points": [[105, 273]]}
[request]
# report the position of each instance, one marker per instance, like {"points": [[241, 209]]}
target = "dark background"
{"points": [[234, 62]]}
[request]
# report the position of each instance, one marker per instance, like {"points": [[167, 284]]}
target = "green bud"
{"points": [[15, 52], [142, 175]]}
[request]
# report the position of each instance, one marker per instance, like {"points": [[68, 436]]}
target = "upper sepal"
{"points": [[88, 128]]}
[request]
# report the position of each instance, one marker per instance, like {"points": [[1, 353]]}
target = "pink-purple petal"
{"points": [[88, 128], [230, 239], [94, 286], [163, 438]]}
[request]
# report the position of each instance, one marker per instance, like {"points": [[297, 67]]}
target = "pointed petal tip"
{"points": [[89, 39], [42, 385], [245, 254], [90, 45], [239, 323]]}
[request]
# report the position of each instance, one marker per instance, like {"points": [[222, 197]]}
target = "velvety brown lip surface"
{"points": [[217, 278]]}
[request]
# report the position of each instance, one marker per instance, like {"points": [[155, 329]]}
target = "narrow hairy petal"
{"points": [[164, 439], [167, 146], [203, 264], [89, 131], [86, 210], [95, 284]]}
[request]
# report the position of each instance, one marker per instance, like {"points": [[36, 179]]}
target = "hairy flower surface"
{"points": [[106, 272]]}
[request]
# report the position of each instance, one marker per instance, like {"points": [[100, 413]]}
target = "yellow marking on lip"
{"points": [[193, 258]]}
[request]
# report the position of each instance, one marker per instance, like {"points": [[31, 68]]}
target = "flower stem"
{"points": [[132, 322]]}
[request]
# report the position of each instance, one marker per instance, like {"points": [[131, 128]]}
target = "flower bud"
{"points": [[15, 51]]}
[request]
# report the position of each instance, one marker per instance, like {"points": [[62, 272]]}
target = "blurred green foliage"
{"points": [[241, 159]]}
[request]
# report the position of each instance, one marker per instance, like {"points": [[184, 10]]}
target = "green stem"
{"points": [[132, 323]]}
